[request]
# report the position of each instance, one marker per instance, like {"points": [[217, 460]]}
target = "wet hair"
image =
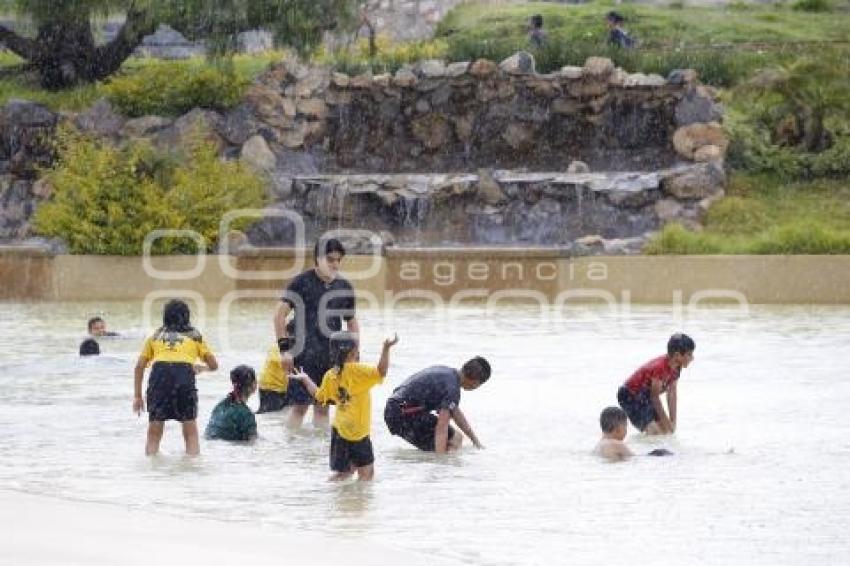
{"points": [[537, 21], [611, 418], [680, 344], [615, 17], [331, 245], [477, 368], [243, 379], [176, 317], [94, 320], [89, 347], [342, 344]]}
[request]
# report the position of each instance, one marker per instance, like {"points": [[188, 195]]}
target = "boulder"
{"points": [[145, 126], [101, 119], [682, 77], [404, 78], [432, 130], [25, 114], [641, 80], [483, 68], [520, 63], [457, 69], [341, 80], [519, 136], [256, 155], [694, 182], [254, 41], [668, 209], [195, 126], [598, 68], [688, 139], [570, 72], [578, 167], [489, 191], [698, 106], [313, 107], [239, 124], [708, 153], [432, 69]]}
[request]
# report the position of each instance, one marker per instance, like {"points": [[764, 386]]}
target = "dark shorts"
{"points": [[271, 401], [171, 393], [297, 394], [346, 454], [415, 425], [638, 407]]}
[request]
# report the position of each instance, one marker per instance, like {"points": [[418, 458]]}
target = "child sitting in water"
{"points": [[231, 419], [347, 384], [613, 422], [273, 383], [171, 395], [640, 395]]}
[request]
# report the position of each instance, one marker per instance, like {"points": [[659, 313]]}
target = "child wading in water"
{"points": [[173, 350], [232, 419], [640, 395], [347, 384]]}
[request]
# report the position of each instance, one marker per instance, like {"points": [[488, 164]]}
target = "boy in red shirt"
{"points": [[640, 395]]}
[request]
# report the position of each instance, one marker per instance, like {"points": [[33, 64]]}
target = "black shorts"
{"points": [[347, 454], [171, 393], [296, 393], [415, 425], [271, 401], [638, 407]]}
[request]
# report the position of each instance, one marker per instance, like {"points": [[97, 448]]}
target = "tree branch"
{"points": [[19, 45], [109, 57]]}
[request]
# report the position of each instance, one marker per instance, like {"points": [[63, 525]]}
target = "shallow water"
{"points": [[758, 476]]}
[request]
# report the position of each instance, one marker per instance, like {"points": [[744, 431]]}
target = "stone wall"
{"points": [[459, 117], [589, 158]]}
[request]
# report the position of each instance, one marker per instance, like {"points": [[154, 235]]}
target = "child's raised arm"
{"points": [[384, 362]]}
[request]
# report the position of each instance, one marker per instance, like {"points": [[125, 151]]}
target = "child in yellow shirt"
{"points": [[347, 384], [174, 350], [273, 383]]}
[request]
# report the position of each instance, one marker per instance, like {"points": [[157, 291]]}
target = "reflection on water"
{"points": [[758, 474]]}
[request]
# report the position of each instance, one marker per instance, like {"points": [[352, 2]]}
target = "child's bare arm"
{"points": [[671, 404], [441, 434], [463, 424], [384, 362], [306, 381], [655, 397], [138, 377]]}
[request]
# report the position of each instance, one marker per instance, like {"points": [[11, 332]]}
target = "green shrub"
{"points": [[802, 238], [675, 239], [172, 88], [735, 215], [107, 199], [812, 5]]}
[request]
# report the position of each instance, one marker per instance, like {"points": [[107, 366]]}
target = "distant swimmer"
{"points": [[89, 347], [640, 395], [97, 328], [420, 409], [231, 419], [614, 424], [611, 446], [174, 350]]}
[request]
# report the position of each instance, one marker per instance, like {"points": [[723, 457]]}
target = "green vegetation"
{"points": [[107, 199], [767, 215], [60, 44], [724, 45], [145, 85]]}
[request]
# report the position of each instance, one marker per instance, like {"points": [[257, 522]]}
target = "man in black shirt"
{"points": [[321, 299], [419, 409]]}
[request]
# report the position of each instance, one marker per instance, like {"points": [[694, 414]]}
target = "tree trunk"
{"points": [[64, 52]]}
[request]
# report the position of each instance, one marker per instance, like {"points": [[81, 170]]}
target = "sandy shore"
{"points": [[46, 531]]}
